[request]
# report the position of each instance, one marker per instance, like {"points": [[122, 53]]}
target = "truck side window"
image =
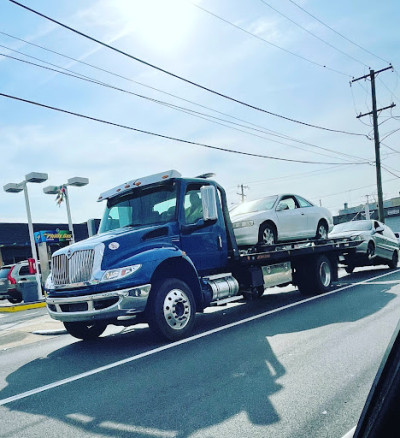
{"points": [[193, 206]]}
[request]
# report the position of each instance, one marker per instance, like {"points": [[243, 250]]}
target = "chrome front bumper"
{"points": [[107, 305]]}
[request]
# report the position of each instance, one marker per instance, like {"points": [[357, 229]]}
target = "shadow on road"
{"points": [[207, 387]]}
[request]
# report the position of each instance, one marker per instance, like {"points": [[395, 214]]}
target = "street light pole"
{"points": [[53, 190], [70, 226], [33, 177], [32, 239]]}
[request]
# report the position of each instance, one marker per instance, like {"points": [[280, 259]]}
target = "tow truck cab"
{"points": [[162, 226]]}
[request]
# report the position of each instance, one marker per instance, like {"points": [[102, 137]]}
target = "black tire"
{"points": [[349, 269], [267, 234], [314, 276], [85, 330], [395, 260], [15, 297], [322, 230], [171, 309], [370, 251]]}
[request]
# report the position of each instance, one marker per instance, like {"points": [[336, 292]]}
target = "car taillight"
{"points": [[9, 278]]}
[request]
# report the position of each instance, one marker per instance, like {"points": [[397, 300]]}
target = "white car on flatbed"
{"points": [[279, 218]]}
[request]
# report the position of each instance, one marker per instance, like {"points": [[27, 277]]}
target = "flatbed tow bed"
{"points": [[285, 251], [311, 265]]}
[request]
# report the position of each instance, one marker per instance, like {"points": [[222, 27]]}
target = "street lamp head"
{"points": [[78, 181], [13, 188], [36, 177], [51, 190]]}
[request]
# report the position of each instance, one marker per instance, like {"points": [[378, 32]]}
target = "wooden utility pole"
{"points": [[242, 187], [374, 112]]}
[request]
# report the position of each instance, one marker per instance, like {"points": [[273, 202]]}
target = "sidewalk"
{"points": [[28, 331]]}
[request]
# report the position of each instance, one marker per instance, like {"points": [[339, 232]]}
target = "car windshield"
{"points": [[253, 206], [142, 206], [353, 226]]}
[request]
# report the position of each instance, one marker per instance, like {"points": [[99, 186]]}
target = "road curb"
{"points": [[23, 306]]}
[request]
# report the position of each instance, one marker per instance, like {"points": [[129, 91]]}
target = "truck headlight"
{"points": [[49, 282], [243, 224], [117, 274]]}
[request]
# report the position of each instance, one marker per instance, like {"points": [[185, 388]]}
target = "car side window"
{"points": [[387, 232], [303, 202], [193, 205], [24, 270], [287, 203], [376, 225]]}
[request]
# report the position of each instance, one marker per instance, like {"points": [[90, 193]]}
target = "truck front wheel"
{"points": [[85, 330], [171, 309]]}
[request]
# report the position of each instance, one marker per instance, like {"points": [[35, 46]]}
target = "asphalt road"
{"points": [[281, 366]]}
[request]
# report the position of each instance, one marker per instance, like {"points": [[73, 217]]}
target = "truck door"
{"points": [[207, 245]]}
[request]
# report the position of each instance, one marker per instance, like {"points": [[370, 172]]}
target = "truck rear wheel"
{"points": [[85, 330], [314, 276], [171, 309]]}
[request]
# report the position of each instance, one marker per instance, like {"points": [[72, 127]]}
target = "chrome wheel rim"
{"points": [[177, 309], [322, 232], [370, 252], [325, 274], [268, 237]]}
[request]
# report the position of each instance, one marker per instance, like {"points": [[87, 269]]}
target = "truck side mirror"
{"points": [[209, 203]]}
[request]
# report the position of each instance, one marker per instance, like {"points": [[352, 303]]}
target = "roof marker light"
{"points": [[137, 183], [164, 176]]}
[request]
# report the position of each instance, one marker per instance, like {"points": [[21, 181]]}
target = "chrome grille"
{"points": [[76, 269]]}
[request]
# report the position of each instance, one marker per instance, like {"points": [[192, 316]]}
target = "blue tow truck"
{"points": [[166, 250]]}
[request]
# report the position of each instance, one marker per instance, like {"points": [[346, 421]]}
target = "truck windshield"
{"points": [[253, 206], [142, 206]]}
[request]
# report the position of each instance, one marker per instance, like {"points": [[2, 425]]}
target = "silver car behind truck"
{"points": [[378, 243]]}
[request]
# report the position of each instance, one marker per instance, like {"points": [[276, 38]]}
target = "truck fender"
{"points": [[182, 268]]}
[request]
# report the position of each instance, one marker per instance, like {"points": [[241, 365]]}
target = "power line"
{"points": [[182, 78], [338, 33], [389, 147], [389, 171], [313, 34], [358, 188], [167, 137], [188, 111], [261, 128], [269, 42]]}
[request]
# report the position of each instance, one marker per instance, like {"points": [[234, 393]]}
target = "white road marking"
{"points": [[350, 433], [177, 343]]}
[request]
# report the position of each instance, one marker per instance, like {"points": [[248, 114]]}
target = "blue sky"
{"points": [[246, 50]]}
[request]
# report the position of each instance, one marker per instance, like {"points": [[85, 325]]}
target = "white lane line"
{"points": [[350, 433], [177, 343]]}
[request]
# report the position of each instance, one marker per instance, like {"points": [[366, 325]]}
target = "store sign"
{"points": [[54, 236]]}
